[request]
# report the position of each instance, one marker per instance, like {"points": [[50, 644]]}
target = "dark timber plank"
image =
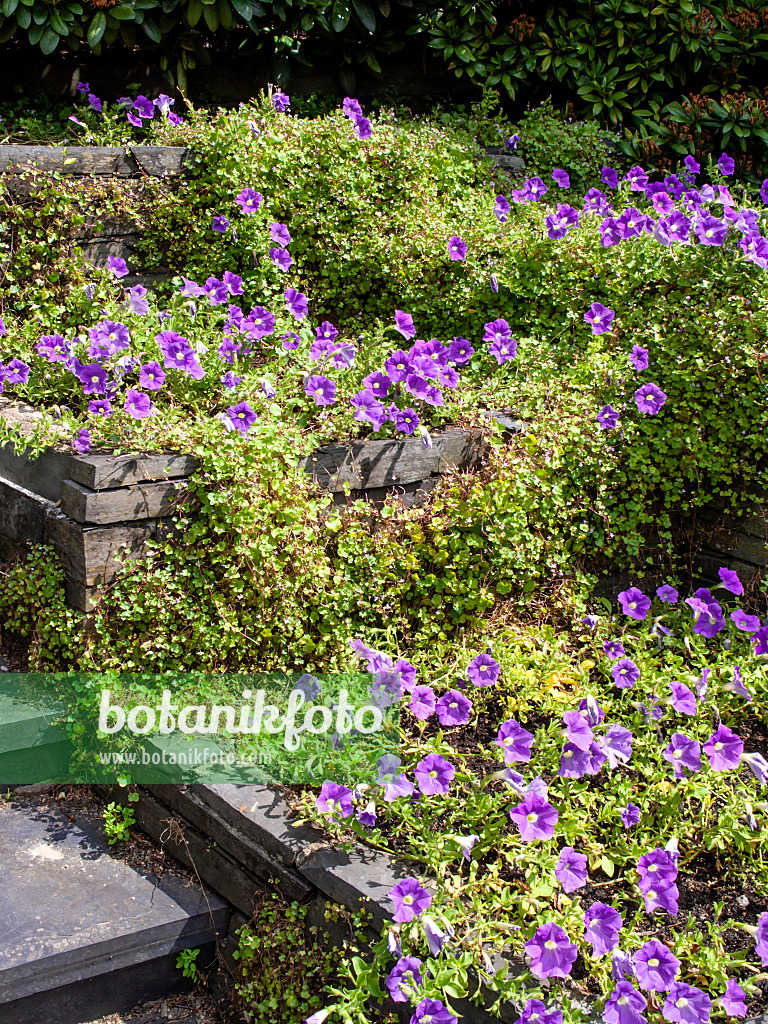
{"points": [[123, 504], [119, 161], [389, 462], [77, 916], [102, 472]]}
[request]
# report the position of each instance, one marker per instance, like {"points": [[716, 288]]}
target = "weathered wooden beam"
{"points": [[392, 462], [118, 161], [103, 472], [121, 504]]}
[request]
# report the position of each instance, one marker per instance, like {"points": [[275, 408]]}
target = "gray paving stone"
{"points": [[78, 920]]}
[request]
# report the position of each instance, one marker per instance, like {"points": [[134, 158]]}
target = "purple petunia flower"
{"points": [[497, 330], [351, 107], [220, 224], [683, 699], [100, 407], [734, 999], [574, 762], [661, 896], [163, 103], [726, 164], [137, 404], [399, 786], [296, 303], [625, 1005], [692, 164], [144, 107], [136, 300], [404, 324], [378, 384], [432, 1011], [57, 349], [502, 208], [674, 228], [280, 101], [483, 670], [736, 685], [551, 952], [724, 749], [503, 351], [617, 745], [249, 200], [602, 925], [600, 317], [457, 249], [639, 357], [614, 649], [662, 203], [667, 594], [279, 233], [649, 399], [625, 673], [109, 337], [423, 702], [242, 417], [608, 418], [731, 581], [410, 899], [610, 232], [93, 378], [535, 189], [637, 179], [117, 266], [760, 640], [708, 229], [655, 966], [559, 224], [515, 741], [368, 409], [609, 177], [684, 754], [571, 869], [233, 282], [686, 1004], [535, 817], [281, 258], [321, 389], [535, 1012], [577, 730], [334, 800], [151, 376], [460, 351], [630, 815], [658, 867], [453, 708], [561, 178], [363, 127], [326, 331], [748, 623], [81, 442], [405, 420], [404, 980], [434, 775]]}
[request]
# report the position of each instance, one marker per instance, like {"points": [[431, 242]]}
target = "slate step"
{"points": [[85, 934]]}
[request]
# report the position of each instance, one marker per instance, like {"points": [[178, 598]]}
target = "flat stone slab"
{"points": [[77, 916], [120, 161]]}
